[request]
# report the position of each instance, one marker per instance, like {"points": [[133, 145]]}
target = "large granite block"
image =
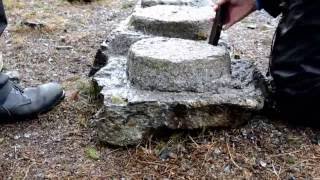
{"points": [[129, 114]]}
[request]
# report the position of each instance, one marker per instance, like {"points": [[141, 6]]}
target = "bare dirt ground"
{"points": [[60, 45]]}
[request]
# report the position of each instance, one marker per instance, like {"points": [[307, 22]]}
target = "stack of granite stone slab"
{"points": [[156, 70]]}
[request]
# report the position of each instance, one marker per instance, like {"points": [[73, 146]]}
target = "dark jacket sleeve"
{"points": [[273, 7]]}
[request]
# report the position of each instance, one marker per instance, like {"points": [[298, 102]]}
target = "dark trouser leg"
{"points": [[4, 85], [295, 64], [3, 19]]}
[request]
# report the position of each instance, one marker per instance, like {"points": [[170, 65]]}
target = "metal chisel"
{"points": [[217, 25]]}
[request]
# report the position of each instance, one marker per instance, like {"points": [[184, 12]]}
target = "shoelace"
{"points": [[19, 90], [17, 87]]}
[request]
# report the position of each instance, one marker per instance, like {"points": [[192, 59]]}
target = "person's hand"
{"points": [[236, 10]]}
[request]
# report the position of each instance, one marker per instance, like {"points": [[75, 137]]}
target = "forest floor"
{"points": [[53, 40]]}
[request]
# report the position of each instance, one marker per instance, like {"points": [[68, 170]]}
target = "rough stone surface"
{"points": [[174, 21], [197, 3], [160, 96], [120, 40], [117, 43], [129, 113], [169, 64]]}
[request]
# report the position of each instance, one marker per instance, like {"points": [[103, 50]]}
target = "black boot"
{"points": [[22, 104]]}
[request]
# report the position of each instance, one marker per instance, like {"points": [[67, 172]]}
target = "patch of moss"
{"points": [[92, 153], [12, 4], [117, 100], [290, 160], [89, 88], [128, 5], [201, 36]]}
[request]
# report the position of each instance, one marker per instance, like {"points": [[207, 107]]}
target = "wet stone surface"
{"points": [[151, 82], [169, 64]]}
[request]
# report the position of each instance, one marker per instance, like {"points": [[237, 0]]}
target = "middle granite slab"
{"points": [[175, 65]]}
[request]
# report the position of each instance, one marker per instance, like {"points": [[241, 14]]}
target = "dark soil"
{"points": [[53, 40]]}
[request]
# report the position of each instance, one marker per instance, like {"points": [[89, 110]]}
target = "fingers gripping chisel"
{"points": [[217, 25]]}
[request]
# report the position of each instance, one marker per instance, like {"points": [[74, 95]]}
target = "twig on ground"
{"points": [[284, 154], [298, 163], [169, 171], [27, 171], [273, 170], [111, 152], [151, 163], [197, 145], [206, 155], [231, 158]]}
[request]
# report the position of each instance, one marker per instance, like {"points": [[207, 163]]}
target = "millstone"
{"points": [[197, 3], [174, 21], [170, 64]]}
